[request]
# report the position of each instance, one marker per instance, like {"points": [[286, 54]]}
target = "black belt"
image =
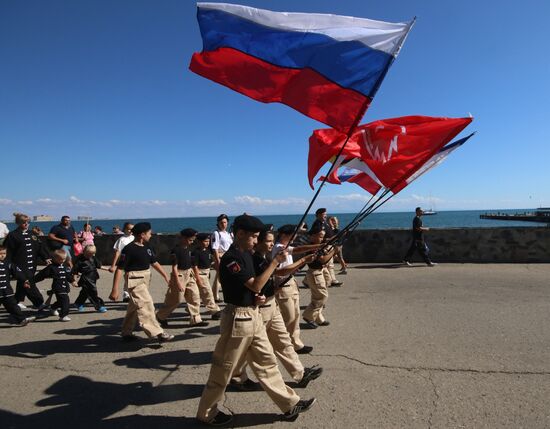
{"points": [[265, 305]]}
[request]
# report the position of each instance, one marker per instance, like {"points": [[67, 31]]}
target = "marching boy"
{"points": [[136, 260], [7, 297], [62, 277], [201, 259], [182, 286], [87, 265]]}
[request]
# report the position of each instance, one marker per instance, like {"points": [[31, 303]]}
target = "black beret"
{"points": [[287, 229], [141, 227], [188, 232], [248, 223], [201, 236], [316, 229], [321, 210]]}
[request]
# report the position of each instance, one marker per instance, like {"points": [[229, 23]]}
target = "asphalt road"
{"points": [[454, 346]]}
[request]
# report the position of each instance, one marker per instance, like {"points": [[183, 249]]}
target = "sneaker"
{"points": [[300, 407], [221, 419], [102, 309], [27, 320], [164, 337], [42, 307], [55, 312], [407, 263], [247, 386], [80, 307], [130, 337], [21, 306], [217, 315], [324, 323], [65, 319], [432, 264], [310, 324], [343, 271], [336, 284], [310, 374], [201, 323], [304, 350]]}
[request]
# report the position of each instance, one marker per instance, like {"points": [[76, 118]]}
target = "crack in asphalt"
{"points": [[421, 368], [434, 401]]}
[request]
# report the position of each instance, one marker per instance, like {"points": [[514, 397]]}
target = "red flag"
{"points": [[392, 148], [366, 182]]}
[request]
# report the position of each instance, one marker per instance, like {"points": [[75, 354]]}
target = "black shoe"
{"points": [[310, 374], [217, 315], [247, 386], [164, 337], [201, 323], [129, 338], [336, 284], [325, 323], [304, 350], [221, 419], [310, 324], [300, 407]]}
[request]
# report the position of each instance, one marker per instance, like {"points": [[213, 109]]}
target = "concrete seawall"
{"points": [[463, 245]]}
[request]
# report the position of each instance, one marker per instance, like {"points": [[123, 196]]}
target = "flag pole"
{"points": [[350, 133]]}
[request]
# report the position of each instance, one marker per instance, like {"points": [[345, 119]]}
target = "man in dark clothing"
{"points": [[418, 242], [63, 236], [322, 224]]}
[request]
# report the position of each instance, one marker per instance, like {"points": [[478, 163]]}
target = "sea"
{"points": [[377, 220]]}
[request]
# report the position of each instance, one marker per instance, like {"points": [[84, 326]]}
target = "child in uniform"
{"points": [[182, 286], [201, 258], [62, 277], [7, 297], [87, 265]]}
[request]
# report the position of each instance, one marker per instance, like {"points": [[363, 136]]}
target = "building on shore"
{"points": [[42, 218], [84, 218]]}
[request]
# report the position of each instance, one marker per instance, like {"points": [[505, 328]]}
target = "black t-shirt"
{"points": [[64, 233], [182, 257], [418, 234], [136, 258], [329, 232], [202, 258], [260, 265], [236, 268]]}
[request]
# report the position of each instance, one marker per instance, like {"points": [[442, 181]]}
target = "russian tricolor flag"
{"points": [[328, 67]]}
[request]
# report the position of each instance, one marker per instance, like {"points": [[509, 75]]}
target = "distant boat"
{"points": [[429, 212]]}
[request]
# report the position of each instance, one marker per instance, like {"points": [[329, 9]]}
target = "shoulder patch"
{"points": [[234, 267]]}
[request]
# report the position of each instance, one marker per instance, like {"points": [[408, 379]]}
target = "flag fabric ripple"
{"points": [[328, 67], [393, 149]]}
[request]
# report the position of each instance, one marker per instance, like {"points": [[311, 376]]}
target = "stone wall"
{"points": [[506, 245]]}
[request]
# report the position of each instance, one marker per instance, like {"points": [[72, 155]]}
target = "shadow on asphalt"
{"points": [[85, 404], [385, 266]]}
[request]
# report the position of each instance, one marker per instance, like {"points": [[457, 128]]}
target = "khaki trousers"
{"points": [[216, 286], [330, 275], [319, 295], [279, 339], [243, 338], [140, 307], [174, 297], [288, 298], [205, 291]]}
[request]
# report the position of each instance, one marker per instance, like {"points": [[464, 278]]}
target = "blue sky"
{"points": [[100, 115]]}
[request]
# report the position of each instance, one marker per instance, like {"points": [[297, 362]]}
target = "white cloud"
{"points": [[5, 201], [207, 203]]}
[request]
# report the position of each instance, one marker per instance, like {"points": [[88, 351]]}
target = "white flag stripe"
{"points": [[380, 35]]}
